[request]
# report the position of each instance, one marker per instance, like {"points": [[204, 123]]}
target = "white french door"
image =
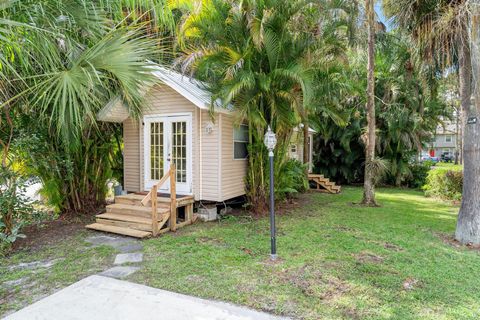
{"points": [[168, 139]]}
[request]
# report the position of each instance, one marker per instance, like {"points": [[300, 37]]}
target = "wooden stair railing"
{"points": [[152, 197]]}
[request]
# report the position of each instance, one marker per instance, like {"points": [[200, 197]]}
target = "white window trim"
{"points": [[241, 141], [450, 136]]}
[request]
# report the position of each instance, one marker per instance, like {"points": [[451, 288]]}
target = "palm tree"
{"points": [[257, 57], [369, 179], [441, 30], [73, 63]]}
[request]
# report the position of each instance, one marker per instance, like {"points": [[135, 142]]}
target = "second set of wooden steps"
{"points": [[324, 184], [128, 216]]}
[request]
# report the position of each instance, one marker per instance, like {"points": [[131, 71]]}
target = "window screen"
{"points": [[240, 142]]}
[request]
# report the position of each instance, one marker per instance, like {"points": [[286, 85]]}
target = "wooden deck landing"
{"points": [[324, 184], [127, 216], [150, 214]]}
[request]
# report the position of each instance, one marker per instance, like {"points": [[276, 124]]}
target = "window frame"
{"points": [[239, 141], [448, 136]]}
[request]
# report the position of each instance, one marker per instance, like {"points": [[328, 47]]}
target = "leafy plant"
{"points": [[418, 175], [73, 66], [291, 178], [444, 183], [16, 210], [258, 58]]}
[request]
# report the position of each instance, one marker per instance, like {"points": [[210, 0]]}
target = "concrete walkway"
{"points": [[103, 298]]}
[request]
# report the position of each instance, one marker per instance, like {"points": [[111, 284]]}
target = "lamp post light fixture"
{"points": [[270, 140]]}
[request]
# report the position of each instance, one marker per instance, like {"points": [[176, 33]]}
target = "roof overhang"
{"points": [[189, 88]]}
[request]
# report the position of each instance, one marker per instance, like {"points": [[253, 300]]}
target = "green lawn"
{"points": [[449, 166], [338, 260]]}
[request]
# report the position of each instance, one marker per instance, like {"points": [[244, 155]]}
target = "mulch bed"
{"points": [[51, 232]]}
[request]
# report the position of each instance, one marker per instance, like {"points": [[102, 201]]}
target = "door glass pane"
{"points": [[179, 149], [156, 150]]}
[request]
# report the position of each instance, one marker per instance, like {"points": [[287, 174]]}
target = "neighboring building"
{"points": [[296, 146], [446, 140], [210, 153]]}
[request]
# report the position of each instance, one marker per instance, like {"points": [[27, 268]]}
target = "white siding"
{"points": [[131, 155], [213, 166], [233, 171]]}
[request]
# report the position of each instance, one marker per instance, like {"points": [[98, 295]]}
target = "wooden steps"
{"points": [[147, 214], [119, 230], [138, 210], [128, 216], [324, 184]]}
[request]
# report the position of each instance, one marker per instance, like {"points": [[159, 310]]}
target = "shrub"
{"points": [[16, 210], [418, 175], [444, 183], [291, 178], [429, 163]]}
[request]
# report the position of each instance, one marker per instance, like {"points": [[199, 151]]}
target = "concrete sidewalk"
{"points": [[102, 298]]}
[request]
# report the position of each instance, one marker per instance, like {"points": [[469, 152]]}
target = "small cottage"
{"points": [[177, 126]]}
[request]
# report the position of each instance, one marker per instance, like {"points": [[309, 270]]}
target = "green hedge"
{"points": [[445, 183]]}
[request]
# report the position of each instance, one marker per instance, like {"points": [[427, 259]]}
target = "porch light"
{"points": [[209, 128], [270, 140]]}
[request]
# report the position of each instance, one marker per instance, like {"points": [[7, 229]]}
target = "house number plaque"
{"points": [[472, 120]]}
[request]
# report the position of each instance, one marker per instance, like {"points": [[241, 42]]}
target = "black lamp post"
{"points": [[270, 140]]}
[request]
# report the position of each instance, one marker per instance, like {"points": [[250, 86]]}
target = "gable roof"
{"points": [[191, 89]]}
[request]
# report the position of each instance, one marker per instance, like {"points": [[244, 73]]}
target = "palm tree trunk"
{"points": [[457, 136], [306, 147], [468, 223], [369, 184]]}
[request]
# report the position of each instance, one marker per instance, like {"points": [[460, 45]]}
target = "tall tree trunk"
{"points": [[468, 224], [457, 135], [369, 182], [462, 124], [306, 147]]}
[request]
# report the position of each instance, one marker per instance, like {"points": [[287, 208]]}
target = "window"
{"points": [[240, 142], [448, 138], [293, 148]]}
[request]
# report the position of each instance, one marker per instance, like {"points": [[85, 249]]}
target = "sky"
{"points": [[381, 16]]}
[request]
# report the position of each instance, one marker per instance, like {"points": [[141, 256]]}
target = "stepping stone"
{"points": [[115, 242], [34, 265], [130, 247], [119, 272], [14, 283], [128, 258], [99, 240]]}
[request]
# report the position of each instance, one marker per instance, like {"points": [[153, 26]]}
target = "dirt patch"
{"points": [[344, 229], [449, 239], [368, 257], [48, 233], [300, 201], [392, 247], [212, 241], [313, 283], [247, 251], [352, 313], [410, 284]]}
